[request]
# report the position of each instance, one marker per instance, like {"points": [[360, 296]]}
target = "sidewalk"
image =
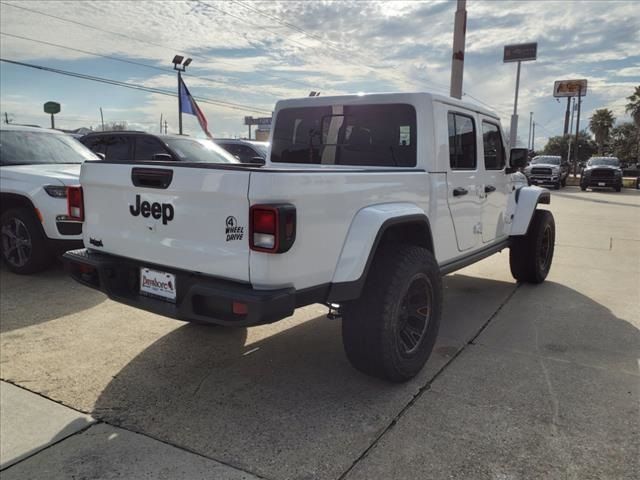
{"points": [[43, 439]]}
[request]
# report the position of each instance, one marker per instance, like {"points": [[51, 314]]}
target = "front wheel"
{"points": [[24, 247], [390, 331], [530, 255]]}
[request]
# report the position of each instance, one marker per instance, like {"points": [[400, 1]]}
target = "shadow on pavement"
{"points": [[27, 300], [596, 196], [289, 405]]}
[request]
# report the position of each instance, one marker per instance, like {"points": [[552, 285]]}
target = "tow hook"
{"points": [[335, 311]]}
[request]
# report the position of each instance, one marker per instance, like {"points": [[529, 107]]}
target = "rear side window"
{"points": [[147, 147], [363, 135], [118, 148], [494, 157], [462, 142]]}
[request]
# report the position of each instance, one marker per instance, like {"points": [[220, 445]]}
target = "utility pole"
{"points": [[529, 134], [160, 124], [566, 117], [513, 132], [533, 137], [577, 147], [102, 119], [6, 118], [165, 127], [573, 109], [457, 61]]}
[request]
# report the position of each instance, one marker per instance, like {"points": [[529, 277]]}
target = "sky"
{"points": [[251, 53]]}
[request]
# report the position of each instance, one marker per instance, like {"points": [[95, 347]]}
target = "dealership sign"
{"points": [[257, 121], [521, 52], [570, 88], [52, 107]]}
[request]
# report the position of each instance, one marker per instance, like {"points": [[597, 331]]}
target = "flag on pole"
{"points": [[190, 106]]}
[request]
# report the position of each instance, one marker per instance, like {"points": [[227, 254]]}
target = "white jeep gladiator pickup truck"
{"points": [[365, 201]]}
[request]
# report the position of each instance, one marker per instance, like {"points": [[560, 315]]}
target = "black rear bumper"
{"points": [[198, 297]]}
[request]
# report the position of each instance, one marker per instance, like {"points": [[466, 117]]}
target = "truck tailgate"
{"points": [[184, 217]]}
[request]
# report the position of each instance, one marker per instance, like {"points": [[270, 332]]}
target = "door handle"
{"points": [[489, 189], [457, 192]]}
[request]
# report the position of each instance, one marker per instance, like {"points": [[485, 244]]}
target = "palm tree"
{"points": [[633, 107], [600, 124]]}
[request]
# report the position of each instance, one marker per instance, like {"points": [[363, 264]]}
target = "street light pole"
{"points": [[180, 67], [575, 162], [529, 134]]}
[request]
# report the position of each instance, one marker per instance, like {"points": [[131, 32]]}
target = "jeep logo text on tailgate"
{"points": [[155, 210]]}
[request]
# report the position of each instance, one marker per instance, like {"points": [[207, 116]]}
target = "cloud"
{"points": [[254, 53]]}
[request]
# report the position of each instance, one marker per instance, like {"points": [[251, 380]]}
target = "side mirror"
{"points": [[518, 157], [162, 157], [257, 160], [101, 155]]}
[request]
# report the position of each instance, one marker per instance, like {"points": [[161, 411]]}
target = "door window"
{"points": [[494, 156], [462, 142]]}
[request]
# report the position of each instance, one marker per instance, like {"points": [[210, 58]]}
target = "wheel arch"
{"points": [[527, 200], [10, 201], [408, 225]]}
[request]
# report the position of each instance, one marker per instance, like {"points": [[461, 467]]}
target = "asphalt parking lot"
{"points": [[525, 381]]}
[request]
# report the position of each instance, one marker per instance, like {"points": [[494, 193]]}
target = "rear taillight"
{"points": [[272, 228], [75, 203]]}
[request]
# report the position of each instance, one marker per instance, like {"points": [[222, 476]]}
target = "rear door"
{"points": [[190, 218], [463, 178], [495, 181]]}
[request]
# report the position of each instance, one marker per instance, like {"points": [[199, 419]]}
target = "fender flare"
{"points": [[363, 238], [527, 200]]}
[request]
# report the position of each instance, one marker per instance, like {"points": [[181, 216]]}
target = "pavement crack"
{"points": [[425, 388]]}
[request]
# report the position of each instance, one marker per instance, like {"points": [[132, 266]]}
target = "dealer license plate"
{"points": [[601, 184], [158, 284]]}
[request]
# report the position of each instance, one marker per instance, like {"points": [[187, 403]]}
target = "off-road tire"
{"points": [[39, 256], [557, 185], [531, 255], [583, 187], [373, 325]]}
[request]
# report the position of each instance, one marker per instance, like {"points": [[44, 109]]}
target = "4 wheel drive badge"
{"points": [[232, 230]]}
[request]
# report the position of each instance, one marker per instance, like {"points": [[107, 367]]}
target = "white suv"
{"points": [[36, 166]]}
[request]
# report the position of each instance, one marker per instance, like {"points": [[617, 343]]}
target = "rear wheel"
{"points": [[24, 246], [390, 331], [530, 255]]}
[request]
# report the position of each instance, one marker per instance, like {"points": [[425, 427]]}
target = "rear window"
{"points": [[199, 150], [34, 147], [364, 135]]}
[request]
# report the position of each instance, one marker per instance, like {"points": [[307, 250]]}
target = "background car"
{"points": [[130, 146], [547, 170], [602, 172], [247, 151], [36, 166]]}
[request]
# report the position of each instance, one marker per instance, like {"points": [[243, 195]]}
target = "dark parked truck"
{"points": [[364, 201], [602, 172]]}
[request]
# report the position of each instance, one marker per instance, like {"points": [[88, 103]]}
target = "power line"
{"points": [[220, 103], [123, 35], [118, 59]]}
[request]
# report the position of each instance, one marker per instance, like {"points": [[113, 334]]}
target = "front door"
{"points": [[463, 180], [494, 183]]}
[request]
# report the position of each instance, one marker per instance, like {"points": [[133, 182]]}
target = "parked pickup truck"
{"points": [[547, 170], [364, 203]]}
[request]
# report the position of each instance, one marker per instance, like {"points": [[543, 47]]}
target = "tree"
{"points": [[115, 126], [560, 146], [624, 143], [633, 107], [601, 124]]}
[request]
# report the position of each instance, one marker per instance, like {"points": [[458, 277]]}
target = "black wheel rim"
{"points": [[413, 316], [16, 242], [545, 248]]}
